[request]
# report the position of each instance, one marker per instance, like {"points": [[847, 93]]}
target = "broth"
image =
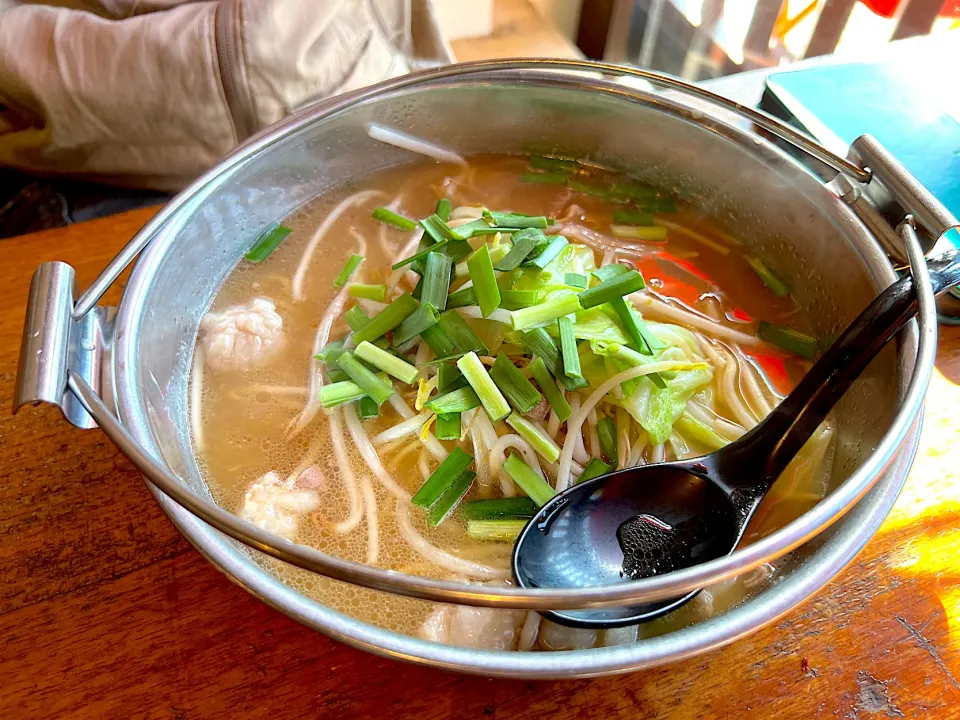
{"points": [[245, 421]]}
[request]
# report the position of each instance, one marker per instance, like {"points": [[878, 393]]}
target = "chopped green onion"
{"points": [[438, 341], [633, 217], [474, 227], [334, 349], [595, 190], [449, 377], [519, 391], [539, 343], [437, 229], [330, 355], [548, 163], [695, 430], [370, 292], [348, 270], [455, 401], [419, 320], [514, 220], [448, 426], [389, 217], [653, 233], [549, 253], [443, 209], [515, 508], [548, 387], [523, 244], [436, 280], [568, 348], [796, 342], [624, 284], [777, 286], [378, 389], [339, 393], [368, 408], [390, 364], [490, 396], [609, 272], [542, 443], [595, 468], [387, 319], [457, 330], [484, 280], [419, 288], [506, 530], [632, 190], [659, 205], [547, 311], [544, 178], [532, 484], [576, 280], [442, 478], [640, 337], [421, 255], [517, 299], [607, 432], [451, 497], [462, 298], [268, 241]]}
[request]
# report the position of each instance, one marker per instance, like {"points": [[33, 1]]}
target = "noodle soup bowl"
{"points": [[142, 356]]}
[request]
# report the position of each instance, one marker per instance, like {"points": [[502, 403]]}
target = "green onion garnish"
{"points": [[576, 280], [330, 354], [421, 255], [544, 178], [462, 298], [640, 337], [391, 218], [568, 348], [390, 364], [539, 343], [514, 220], [796, 342], [607, 432], [348, 270], [542, 443], [633, 217], [653, 233], [532, 484], [595, 468], [448, 426], [594, 190], [624, 284], [368, 408], [474, 227], [484, 280], [504, 530], [777, 286], [449, 377], [549, 253], [436, 280], [378, 389], [333, 349], [608, 272], [339, 393], [370, 292], [516, 508], [519, 391], [387, 319], [632, 190], [523, 244], [421, 319], [541, 162], [547, 311], [451, 497], [517, 299], [457, 330], [455, 401], [551, 392], [268, 241], [438, 340], [443, 209], [437, 229], [442, 478], [490, 396]]}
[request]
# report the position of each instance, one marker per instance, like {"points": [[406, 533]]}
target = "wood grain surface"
{"points": [[106, 612]]}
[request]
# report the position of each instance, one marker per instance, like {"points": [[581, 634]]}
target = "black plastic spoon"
{"points": [[652, 519]]}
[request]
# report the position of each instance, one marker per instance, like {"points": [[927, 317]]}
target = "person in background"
{"points": [[150, 93]]}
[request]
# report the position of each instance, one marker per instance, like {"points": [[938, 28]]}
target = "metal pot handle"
{"points": [[62, 338]]}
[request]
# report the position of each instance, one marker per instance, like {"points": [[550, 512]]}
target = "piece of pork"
{"points": [[277, 506], [241, 337]]}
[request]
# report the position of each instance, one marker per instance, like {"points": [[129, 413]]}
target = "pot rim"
{"points": [[787, 538]]}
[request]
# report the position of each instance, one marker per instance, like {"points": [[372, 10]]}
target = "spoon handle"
{"points": [[781, 435]]}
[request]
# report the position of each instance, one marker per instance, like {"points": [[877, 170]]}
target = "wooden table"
{"points": [[105, 611]]}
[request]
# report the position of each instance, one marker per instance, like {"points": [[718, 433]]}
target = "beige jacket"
{"points": [[151, 93]]}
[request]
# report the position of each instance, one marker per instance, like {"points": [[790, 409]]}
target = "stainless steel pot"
{"points": [[135, 361]]}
